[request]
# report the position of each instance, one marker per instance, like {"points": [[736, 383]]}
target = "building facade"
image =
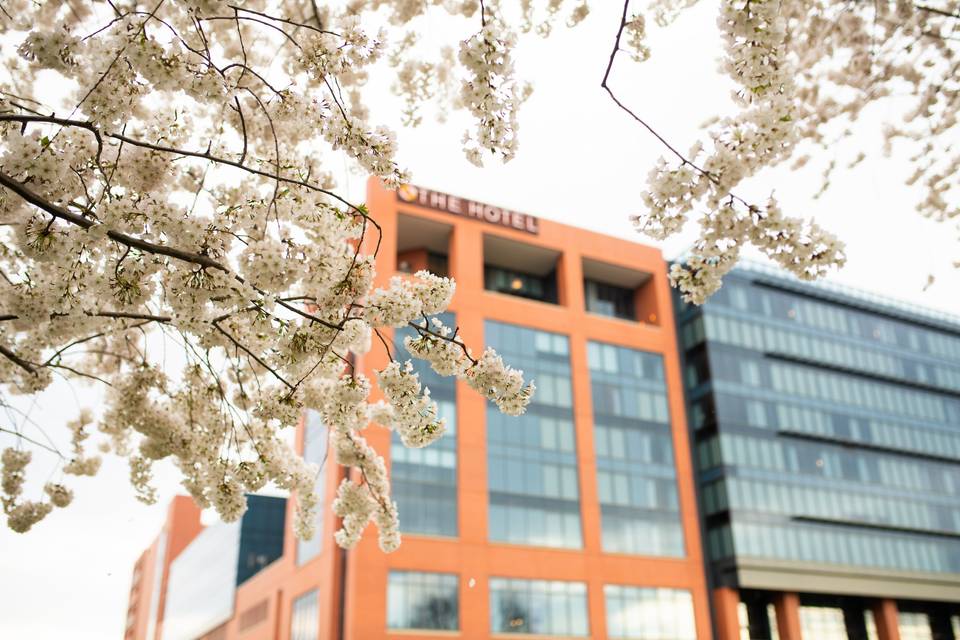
{"points": [[827, 452], [825, 460], [577, 519], [148, 586]]}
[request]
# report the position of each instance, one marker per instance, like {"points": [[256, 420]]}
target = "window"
{"points": [[261, 534], [305, 617], [870, 624], [542, 607], [649, 614], [413, 261], [636, 477], [609, 300], [532, 459], [425, 480], [823, 623], [418, 600], [518, 283], [914, 626], [314, 451], [422, 244]]}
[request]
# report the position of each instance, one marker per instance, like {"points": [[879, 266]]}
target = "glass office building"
{"points": [[827, 447]]}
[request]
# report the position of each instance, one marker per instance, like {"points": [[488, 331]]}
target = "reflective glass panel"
{"points": [[544, 607], [532, 459], [636, 477], [417, 600], [305, 617], [425, 480], [649, 614]]}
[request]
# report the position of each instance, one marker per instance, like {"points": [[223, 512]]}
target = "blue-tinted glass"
{"points": [[425, 480], [636, 477], [836, 422], [261, 534], [532, 459], [417, 600]]}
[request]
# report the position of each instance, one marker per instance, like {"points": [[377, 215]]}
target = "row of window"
{"points": [[876, 471], [764, 336], [430, 601], [314, 452], [810, 542], [533, 481], [854, 620], [599, 297], [636, 476], [734, 405], [424, 481], [785, 306], [532, 459], [766, 495], [802, 381]]}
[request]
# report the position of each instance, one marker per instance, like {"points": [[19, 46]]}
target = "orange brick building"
{"points": [[578, 519]]}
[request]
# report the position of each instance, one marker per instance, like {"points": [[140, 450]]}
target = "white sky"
{"points": [[581, 162]]}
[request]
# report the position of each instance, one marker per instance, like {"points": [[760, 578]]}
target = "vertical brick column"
{"points": [[466, 266], [788, 616], [885, 615], [726, 600]]}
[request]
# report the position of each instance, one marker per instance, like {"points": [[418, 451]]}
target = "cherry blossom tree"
{"points": [[165, 174]]}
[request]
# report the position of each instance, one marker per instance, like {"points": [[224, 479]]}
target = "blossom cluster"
{"points": [[492, 94], [805, 73], [412, 414], [764, 132], [179, 193], [805, 249], [21, 514], [405, 299]]}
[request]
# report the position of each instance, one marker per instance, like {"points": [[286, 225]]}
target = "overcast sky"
{"points": [[581, 162]]}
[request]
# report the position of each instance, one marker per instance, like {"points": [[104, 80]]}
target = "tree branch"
{"points": [[143, 245], [939, 12], [17, 360], [204, 155], [683, 159], [31, 441]]}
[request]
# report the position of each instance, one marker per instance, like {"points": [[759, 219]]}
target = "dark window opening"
{"points": [[422, 244], [518, 283], [520, 269], [610, 300], [621, 292], [419, 259]]}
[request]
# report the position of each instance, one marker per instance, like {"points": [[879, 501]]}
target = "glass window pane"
{"points": [[417, 600]]}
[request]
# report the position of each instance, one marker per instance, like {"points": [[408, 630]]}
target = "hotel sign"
{"points": [[468, 208]]}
